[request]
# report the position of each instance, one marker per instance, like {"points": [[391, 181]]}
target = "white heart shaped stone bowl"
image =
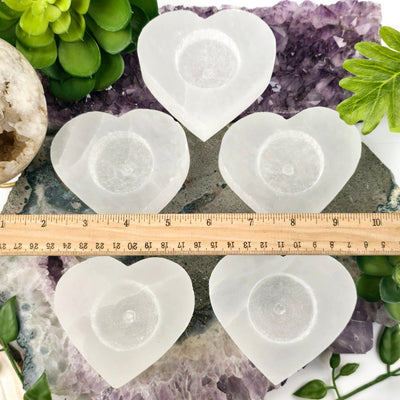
{"points": [[123, 319], [295, 165], [135, 163], [282, 312], [385, 145], [205, 72]]}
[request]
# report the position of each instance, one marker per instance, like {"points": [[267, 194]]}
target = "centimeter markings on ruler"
{"points": [[200, 234]]}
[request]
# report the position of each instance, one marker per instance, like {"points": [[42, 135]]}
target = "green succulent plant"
{"points": [[77, 44], [380, 280]]}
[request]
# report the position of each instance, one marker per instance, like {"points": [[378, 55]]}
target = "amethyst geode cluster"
{"points": [[312, 43]]}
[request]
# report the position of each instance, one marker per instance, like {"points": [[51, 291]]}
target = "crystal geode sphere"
{"points": [[23, 112]]}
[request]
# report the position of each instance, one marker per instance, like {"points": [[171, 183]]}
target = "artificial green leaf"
{"points": [[377, 84], [40, 390], [150, 7], [42, 40], [80, 6], [9, 34], [139, 20], [315, 389], [389, 290], [18, 5], [394, 260], [8, 322], [76, 29], [334, 361], [7, 23], [33, 24], [391, 37], [111, 42], [41, 57], [82, 58], [349, 369], [8, 13], [393, 310], [111, 69], [133, 45], [72, 89], [110, 15], [396, 274], [368, 287], [377, 52], [55, 71], [63, 5], [389, 345], [38, 7], [52, 13], [62, 24], [375, 265]]}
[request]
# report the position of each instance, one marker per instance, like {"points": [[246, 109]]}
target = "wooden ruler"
{"points": [[200, 234]]}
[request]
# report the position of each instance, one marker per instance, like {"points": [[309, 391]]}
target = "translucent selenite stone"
{"points": [[295, 165], [282, 312], [123, 319], [205, 72], [385, 145], [132, 164]]}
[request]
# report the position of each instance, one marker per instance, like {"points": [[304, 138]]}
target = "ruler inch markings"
{"points": [[200, 234]]}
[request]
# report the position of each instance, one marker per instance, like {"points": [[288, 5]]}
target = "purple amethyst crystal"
{"points": [[376, 312], [357, 337], [312, 44]]}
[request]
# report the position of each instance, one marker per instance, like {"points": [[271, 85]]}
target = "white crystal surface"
{"points": [[282, 312], [126, 316], [385, 145], [291, 162], [10, 385], [123, 319], [205, 72], [132, 164], [120, 162], [23, 112], [282, 308], [207, 59], [295, 165]]}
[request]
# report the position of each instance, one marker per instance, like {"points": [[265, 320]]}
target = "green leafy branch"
{"points": [[380, 281], [9, 330], [389, 352], [376, 85]]}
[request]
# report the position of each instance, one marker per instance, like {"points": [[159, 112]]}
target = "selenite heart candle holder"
{"points": [[135, 163], [294, 165], [123, 319], [205, 72], [282, 312]]}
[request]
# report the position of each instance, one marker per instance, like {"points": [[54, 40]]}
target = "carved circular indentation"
{"points": [[120, 162], [291, 162], [282, 308], [126, 317], [207, 59]]}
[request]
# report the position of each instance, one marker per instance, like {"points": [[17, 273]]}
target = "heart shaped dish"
{"points": [[205, 72], [385, 145], [132, 164], [282, 312], [295, 165], [123, 319]]}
